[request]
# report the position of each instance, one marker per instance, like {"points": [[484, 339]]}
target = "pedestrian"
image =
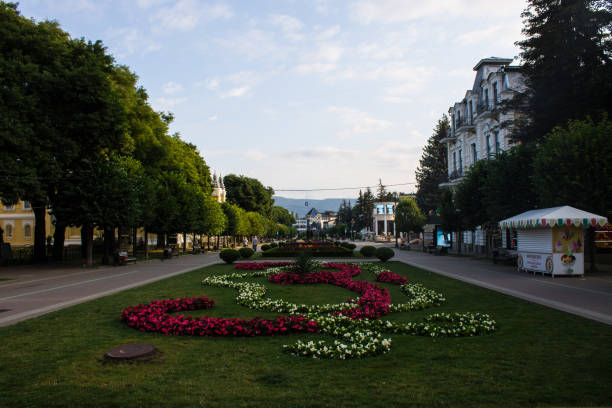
{"points": [[255, 243], [245, 242]]}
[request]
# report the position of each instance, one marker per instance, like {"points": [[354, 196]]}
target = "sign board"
{"points": [[535, 262]]}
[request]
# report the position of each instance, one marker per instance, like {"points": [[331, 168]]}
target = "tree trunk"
{"points": [[40, 231], [87, 244], [109, 238], [59, 236], [208, 238], [459, 241], [146, 243], [134, 241]]}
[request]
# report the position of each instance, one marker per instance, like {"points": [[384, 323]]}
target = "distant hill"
{"points": [[297, 204]]}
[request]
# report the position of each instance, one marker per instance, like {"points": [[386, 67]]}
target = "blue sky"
{"points": [[300, 93]]}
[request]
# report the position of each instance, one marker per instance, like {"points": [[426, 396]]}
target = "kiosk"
{"points": [[551, 240]]}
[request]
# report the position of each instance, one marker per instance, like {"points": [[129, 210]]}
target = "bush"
{"points": [[273, 245], [246, 252], [368, 251], [384, 253], [230, 255], [265, 247]]}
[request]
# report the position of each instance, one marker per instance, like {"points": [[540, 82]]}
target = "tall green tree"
{"points": [[573, 167], [282, 216], [433, 168], [567, 64], [249, 194], [450, 217], [408, 216]]}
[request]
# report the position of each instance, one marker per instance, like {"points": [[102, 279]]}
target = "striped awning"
{"points": [[555, 216]]}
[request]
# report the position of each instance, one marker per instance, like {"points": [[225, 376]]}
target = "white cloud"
{"points": [[401, 11], [501, 34], [322, 6], [149, 3], [375, 51], [235, 92], [324, 59], [212, 83], [172, 88], [290, 26], [357, 122], [254, 44], [128, 41], [396, 99], [328, 33], [165, 104], [212, 118], [185, 15]]}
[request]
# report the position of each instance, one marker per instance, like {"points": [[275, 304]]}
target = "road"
{"points": [[33, 290]]}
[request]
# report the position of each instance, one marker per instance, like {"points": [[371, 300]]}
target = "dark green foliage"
{"points": [[246, 252], [384, 253], [450, 219], [265, 247], [281, 215], [573, 166], [567, 63], [362, 211], [304, 263], [249, 194], [432, 169], [283, 252], [469, 196], [368, 251], [408, 216], [348, 245], [230, 255]]}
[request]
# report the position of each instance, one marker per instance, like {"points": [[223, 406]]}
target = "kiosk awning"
{"points": [[555, 216]]}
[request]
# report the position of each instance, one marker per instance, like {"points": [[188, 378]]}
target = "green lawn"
{"points": [[538, 356]]}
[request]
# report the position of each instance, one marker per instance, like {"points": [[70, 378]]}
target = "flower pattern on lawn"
{"points": [[356, 324]]}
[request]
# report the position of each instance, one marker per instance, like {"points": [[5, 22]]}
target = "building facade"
{"points": [[481, 127], [384, 220], [218, 189]]}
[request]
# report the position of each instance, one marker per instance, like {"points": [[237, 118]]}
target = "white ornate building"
{"points": [[218, 189], [476, 131]]}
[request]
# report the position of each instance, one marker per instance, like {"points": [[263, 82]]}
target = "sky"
{"points": [[300, 94]]}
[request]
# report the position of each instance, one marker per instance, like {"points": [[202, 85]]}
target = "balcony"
{"points": [[463, 125], [455, 174]]}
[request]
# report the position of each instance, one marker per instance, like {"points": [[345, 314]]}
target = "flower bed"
{"points": [[355, 323]]}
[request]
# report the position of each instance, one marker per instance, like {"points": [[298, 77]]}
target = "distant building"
{"points": [[384, 219], [321, 220]]}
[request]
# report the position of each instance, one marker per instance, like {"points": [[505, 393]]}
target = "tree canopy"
{"points": [[249, 194], [432, 169]]}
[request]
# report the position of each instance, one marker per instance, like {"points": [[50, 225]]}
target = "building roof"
{"points": [[493, 61], [554, 216]]}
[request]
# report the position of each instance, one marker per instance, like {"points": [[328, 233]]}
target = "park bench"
{"points": [[124, 258], [504, 255]]}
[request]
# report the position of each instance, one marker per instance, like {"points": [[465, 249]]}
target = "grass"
{"points": [[539, 356]]}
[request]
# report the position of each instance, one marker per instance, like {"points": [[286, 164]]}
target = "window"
{"points": [[471, 112], [27, 231], [389, 208], [460, 160], [454, 161], [494, 93], [506, 81], [497, 145], [27, 205], [488, 145], [486, 98], [380, 209], [474, 155], [9, 231]]}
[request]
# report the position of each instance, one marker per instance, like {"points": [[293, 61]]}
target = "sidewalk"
{"points": [[589, 297], [35, 290]]}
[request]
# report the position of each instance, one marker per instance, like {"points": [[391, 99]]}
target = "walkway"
{"points": [[36, 290], [589, 297]]}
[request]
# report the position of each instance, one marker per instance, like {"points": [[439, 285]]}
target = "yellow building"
{"points": [[17, 222]]}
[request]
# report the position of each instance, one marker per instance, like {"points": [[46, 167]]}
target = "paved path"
{"points": [[589, 297], [34, 290]]}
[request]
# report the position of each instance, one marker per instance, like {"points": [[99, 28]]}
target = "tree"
{"points": [[408, 216], [282, 216], [567, 64], [432, 169], [363, 210], [249, 194], [572, 167], [450, 219], [469, 199], [255, 224]]}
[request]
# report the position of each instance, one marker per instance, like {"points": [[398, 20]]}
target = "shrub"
{"points": [[368, 251], [304, 263], [230, 255], [273, 245], [384, 253], [246, 252], [265, 247]]}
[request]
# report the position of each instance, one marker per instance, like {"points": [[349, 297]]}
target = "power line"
{"points": [[339, 188]]}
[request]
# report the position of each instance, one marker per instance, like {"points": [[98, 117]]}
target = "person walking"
{"points": [[245, 242], [255, 243]]}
